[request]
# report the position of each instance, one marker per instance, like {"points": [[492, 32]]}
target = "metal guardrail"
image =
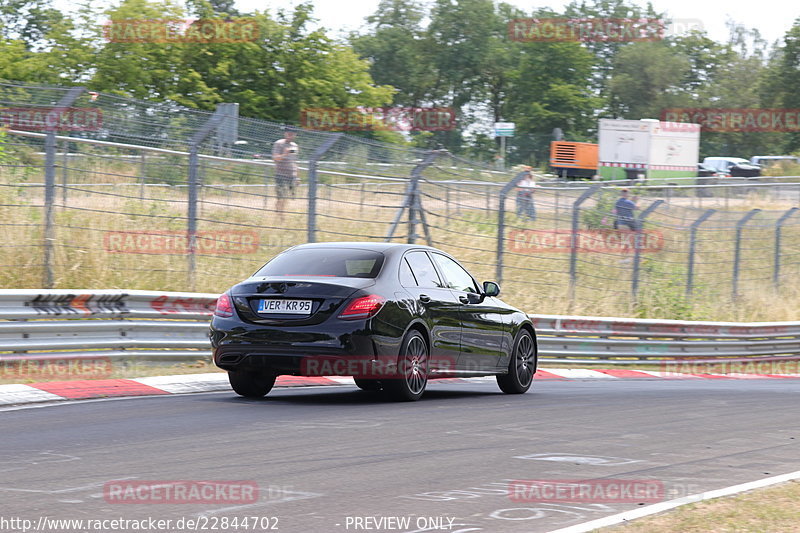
{"points": [[165, 326]]}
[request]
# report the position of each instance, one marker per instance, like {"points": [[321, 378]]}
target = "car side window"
{"points": [[423, 270], [457, 278], [407, 278]]}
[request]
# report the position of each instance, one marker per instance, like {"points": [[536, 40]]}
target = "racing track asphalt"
{"points": [[325, 457]]}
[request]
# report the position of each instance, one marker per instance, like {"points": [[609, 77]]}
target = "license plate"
{"points": [[285, 307]]}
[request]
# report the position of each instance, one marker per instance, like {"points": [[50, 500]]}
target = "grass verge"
{"points": [[773, 510]]}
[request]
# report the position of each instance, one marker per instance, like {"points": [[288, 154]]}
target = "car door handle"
{"points": [[424, 298], [463, 299]]}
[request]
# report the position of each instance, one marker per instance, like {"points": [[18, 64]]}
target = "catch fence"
{"points": [[159, 197]]}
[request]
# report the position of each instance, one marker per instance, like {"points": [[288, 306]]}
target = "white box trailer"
{"points": [[654, 148]]}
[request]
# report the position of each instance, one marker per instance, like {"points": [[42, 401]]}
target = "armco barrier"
{"points": [[174, 325]]}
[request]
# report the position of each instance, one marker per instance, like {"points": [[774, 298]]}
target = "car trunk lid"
{"points": [[296, 300]]}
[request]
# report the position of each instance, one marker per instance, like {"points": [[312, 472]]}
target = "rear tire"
{"points": [[522, 365], [251, 384], [412, 369], [368, 384]]}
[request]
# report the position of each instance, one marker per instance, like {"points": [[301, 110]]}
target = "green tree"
{"points": [[286, 69], [646, 79], [396, 47], [781, 78], [606, 51], [29, 21], [550, 89]]}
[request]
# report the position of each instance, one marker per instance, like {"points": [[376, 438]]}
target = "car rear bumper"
{"points": [[302, 351]]}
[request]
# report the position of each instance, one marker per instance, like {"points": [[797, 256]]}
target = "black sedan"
{"points": [[391, 316]]}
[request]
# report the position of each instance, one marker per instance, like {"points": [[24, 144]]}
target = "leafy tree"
{"points": [[646, 80], [287, 68], [781, 79], [398, 52], [606, 51], [550, 90], [29, 21]]}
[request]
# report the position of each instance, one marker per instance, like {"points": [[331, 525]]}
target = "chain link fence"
{"points": [[159, 197]]}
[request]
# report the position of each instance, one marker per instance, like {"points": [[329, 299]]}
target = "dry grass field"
{"points": [[126, 235]]}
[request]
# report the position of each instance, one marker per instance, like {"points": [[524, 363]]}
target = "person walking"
{"points": [[284, 154]]}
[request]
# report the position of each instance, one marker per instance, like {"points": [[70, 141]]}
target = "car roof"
{"points": [[726, 159], [382, 247]]}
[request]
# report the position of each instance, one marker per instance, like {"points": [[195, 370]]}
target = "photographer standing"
{"points": [[284, 153]]}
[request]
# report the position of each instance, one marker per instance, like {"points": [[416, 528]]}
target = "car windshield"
{"points": [[330, 262]]}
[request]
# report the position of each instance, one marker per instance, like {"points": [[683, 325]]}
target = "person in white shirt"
{"points": [[525, 204], [284, 153]]}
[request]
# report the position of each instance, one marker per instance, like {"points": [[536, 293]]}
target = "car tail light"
{"points": [[363, 307], [224, 307]]}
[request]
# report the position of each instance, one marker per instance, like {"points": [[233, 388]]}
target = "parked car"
{"points": [[704, 171], [391, 315], [767, 160], [732, 166]]}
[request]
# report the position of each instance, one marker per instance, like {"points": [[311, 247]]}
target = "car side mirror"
{"points": [[490, 288]]}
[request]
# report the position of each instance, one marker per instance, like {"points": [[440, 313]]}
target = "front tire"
{"points": [[412, 369], [522, 365], [251, 384]]}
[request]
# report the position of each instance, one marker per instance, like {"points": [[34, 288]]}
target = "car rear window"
{"points": [[329, 262]]}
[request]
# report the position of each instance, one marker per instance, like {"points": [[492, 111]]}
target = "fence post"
{"points": [[421, 214], [143, 172], [50, 182], [692, 245], [501, 223], [191, 211], [738, 249], [573, 241], [637, 246], [311, 233], [64, 173], [410, 200], [778, 227], [411, 238], [557, 213]]}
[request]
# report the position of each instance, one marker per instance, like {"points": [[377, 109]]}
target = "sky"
{"points": [[771, 17]]}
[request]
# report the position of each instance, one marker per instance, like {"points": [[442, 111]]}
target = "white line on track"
{"points": [[578, 373], [678, 502], [153, 397]]}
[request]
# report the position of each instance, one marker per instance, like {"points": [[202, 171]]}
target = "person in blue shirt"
{"points": [[623, 210]]}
